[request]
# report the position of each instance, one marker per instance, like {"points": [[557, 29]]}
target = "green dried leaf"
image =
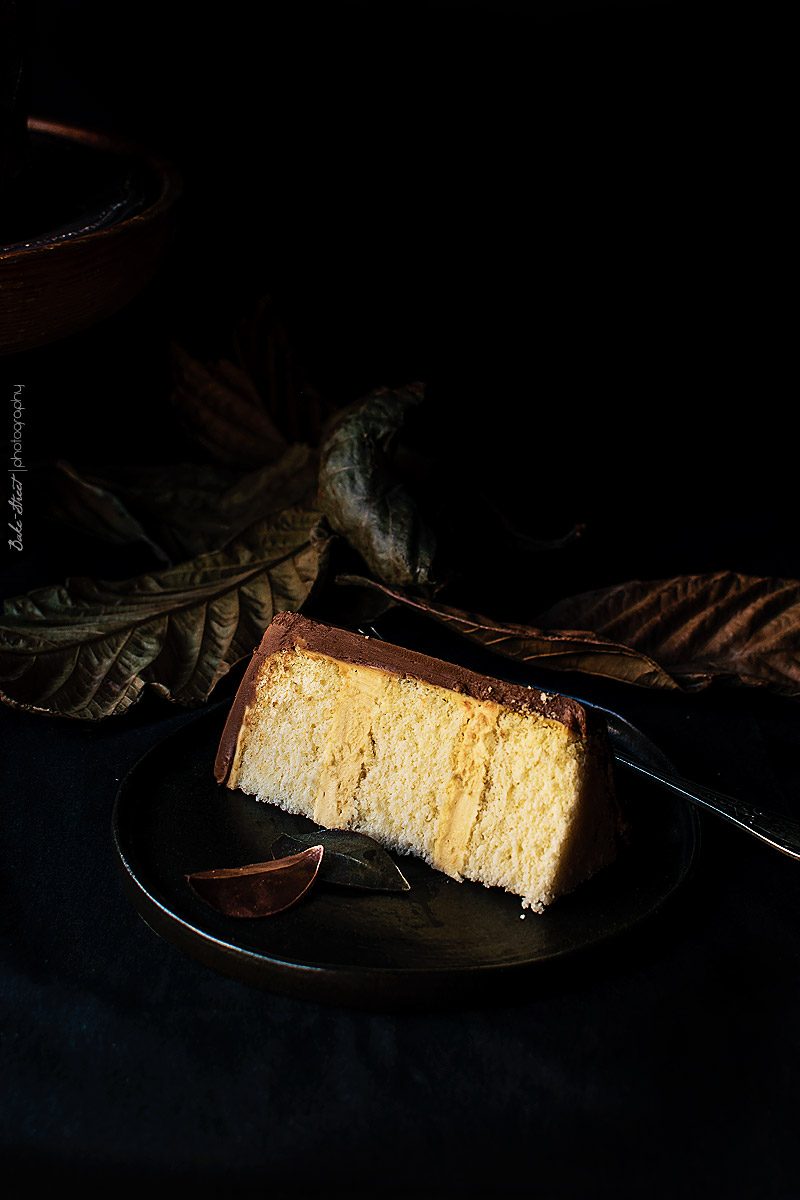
{"points": [[184, 510], [363, 499], [88, 649], [89, 507], [259, 889], [352, 859]]}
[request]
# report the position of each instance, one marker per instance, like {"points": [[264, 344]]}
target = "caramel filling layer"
{"points": [[460, 810], [350, 749], [349, 746]]}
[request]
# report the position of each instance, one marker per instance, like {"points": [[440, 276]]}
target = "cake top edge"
{"points": [[288, 631]]}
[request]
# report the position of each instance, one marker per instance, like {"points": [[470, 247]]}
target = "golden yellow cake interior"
{"points": [[480, 791]]}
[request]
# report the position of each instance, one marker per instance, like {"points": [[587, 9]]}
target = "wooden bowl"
{"points": [[86, 261]]}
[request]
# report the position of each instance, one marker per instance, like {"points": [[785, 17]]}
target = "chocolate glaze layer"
{"points": [[290, 630]]}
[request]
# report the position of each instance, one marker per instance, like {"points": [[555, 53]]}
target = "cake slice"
{"points": [[485, 780]]}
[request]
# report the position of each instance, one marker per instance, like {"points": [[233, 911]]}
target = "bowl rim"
{"points": [[171, 186]]}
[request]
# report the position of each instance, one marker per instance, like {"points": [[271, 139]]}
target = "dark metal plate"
{"points": [[440, 941]]}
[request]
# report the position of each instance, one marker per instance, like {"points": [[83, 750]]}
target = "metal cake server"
{"points": [[635, 751]]}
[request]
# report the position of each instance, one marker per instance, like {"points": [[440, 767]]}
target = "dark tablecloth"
{"points": [[553, 229], [665, 1060]]}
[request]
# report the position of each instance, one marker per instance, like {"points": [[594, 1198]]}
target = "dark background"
{"points": [[570, 221], [566, 219]]}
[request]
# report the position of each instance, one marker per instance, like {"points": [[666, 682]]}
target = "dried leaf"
{"points": [[352, 859], [680, 633], [88, 649], [188, 509], [739, 628], [487, 554], [259, 889], [223, 410], [525, 544], [362, 498], [559, 650], [263, 350], [90, 508], [245, 412]]}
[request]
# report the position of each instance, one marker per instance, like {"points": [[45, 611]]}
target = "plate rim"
{"points": [[361, 984]]}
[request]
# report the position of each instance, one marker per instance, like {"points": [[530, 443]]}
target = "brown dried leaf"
{"points": [[739, 628], [263, 350], [223, 410], [680, 633], [259, 889], [559, 650]]}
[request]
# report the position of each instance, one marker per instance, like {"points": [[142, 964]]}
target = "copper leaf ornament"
{"points": [[259, 889]]}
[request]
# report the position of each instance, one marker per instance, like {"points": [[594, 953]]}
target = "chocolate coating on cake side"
{"points": [[288, 631]]}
